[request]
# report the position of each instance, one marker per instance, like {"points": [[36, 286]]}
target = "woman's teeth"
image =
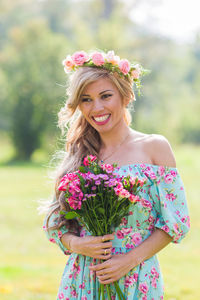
{"points": [[101, 119]]}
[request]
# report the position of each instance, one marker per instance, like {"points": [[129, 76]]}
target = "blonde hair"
{"points": [[81, 138]]}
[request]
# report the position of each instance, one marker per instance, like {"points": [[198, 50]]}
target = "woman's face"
{"points": [[102, 105]]}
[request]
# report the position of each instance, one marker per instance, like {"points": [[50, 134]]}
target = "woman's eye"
{"points": [[106, 95], [86, 99]]}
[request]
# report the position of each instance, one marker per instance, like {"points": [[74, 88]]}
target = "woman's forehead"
{"points": [[99, 85]]}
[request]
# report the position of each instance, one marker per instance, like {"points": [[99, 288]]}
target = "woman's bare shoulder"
{"points": [[160, 150]]}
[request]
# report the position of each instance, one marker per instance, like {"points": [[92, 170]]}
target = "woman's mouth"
{"points": [[102, 119]]}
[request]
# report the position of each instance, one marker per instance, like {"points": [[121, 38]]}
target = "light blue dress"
{"points": [[163, 205]]}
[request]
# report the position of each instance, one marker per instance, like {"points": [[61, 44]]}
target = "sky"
{"points": [[177, 19]]}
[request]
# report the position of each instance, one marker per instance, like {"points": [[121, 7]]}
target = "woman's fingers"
{"points": [[107, 237]]}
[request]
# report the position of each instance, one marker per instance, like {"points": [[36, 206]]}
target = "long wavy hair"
{"points": [[81, 138]]}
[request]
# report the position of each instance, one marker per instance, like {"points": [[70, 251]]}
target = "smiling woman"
{"points": [[99, 91]]}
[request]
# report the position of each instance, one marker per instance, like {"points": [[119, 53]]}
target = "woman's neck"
{"points": [[110, 140]]}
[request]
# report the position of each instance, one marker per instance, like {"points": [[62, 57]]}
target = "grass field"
{"points": [[31, 267]]}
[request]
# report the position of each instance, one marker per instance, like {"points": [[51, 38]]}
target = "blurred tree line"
{"points": [[36, 35]]}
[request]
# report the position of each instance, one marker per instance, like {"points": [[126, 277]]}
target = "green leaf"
{"points": [[71, 215], [101, 210], [82, 169]]}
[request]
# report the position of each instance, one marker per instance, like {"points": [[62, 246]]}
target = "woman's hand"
{"points": [[113, 269], [98, 247]]}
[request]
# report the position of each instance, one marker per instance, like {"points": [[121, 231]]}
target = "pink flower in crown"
{"points": [[112, 58], [88, 159], [80, 57], [143, 287], [136, 72], [98, 59], [68, 64], [124, 66]]}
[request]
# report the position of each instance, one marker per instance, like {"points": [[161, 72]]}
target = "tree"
{"points": [[30, 62]]}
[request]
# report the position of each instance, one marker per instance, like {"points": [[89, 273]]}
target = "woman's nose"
{"points": [[97, 104]]}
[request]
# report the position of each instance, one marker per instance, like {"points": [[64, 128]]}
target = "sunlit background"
{"points": [[35, 36]]}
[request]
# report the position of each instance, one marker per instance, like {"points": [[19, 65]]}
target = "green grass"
{"points": [[31, 267]]}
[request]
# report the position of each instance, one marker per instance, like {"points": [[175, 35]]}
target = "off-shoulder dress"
{"points": [[163, 205]]}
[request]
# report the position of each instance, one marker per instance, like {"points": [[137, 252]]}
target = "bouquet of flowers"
{"points": [[99, 198]]}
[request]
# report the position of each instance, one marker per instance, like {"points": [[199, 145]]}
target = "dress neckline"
{"points": [[141, 165]]}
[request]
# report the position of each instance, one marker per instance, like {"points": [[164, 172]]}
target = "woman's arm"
{"points": [[119, 265]]}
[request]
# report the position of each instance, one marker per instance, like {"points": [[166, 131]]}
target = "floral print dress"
{"points": [[163, 205]]}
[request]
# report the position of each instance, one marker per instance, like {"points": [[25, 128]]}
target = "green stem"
{"points": [[118, 290], [102, 291], [108, 291]]}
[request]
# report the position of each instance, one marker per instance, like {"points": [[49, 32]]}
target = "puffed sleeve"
{"points": [[54, 235], [170, 203]]}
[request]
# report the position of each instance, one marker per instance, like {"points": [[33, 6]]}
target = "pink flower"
{"points": [[83, 298], [165, 228], [161, 170], [82, 286], [68, 64], [88, 159], [80, 57], [112, 58], [74, 203], [124, 193], [124, 221], [144, 297], [61, 296], [143, 287], [154, 284], [173, 173], [133, 198], [52, 240], [124, 66], [59, 234], [73, 293], [170, 197], [107, 167], [169, 178], [126, 231], [98, 59], [130, 280], [146, 203], [119, 234], [136, 238]]}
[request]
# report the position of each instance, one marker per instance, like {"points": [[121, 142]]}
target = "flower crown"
{"points": [[108, 61]]}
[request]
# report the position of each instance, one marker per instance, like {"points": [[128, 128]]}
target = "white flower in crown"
{"points": [[112, 58], [136, 72]]}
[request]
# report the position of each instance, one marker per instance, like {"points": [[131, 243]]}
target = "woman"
{"points": [[99, 93]]}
